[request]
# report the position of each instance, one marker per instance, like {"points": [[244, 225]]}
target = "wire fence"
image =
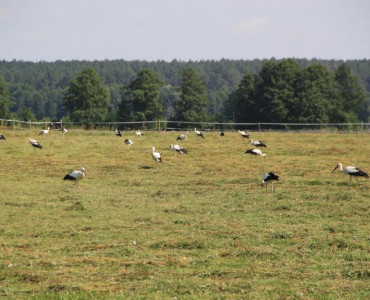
{"points": [[163, 125]]}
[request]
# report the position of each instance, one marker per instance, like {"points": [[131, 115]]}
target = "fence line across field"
{"points": [[164, 125]]}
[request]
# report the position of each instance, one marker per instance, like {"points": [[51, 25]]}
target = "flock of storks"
{"points": [[266, 178], [77, 175]]}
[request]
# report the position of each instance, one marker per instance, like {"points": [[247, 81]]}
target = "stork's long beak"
{"points": [[335, 169]]}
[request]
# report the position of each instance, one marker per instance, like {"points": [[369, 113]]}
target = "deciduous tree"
{"points": [[86, 98], [241, 103], [314, 95], [275, 89], [143, 93]]}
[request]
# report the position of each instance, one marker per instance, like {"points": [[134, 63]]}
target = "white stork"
{"points": [[128, 142], [44, 132], [64, 131], [35, 144], [139, 133], [351, 171], [76, 176], [266, 178], [257, 143], [182, 137], [255, 152], [156, 155], [117, 133], [243, 134], [2, 137], [178, 149], [198, 133]]}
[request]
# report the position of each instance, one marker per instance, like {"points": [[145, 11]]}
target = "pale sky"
{"points": [[50, 30]]}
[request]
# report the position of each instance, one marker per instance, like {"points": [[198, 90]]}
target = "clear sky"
{"points": [[49, 30]]}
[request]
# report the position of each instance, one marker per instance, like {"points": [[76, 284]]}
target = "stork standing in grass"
{"points": [[139, 133], [117, 133], [44, 132], [257, 143], [64, 131], [269, 177], [156, 155], [2, 137], [198, 133], [182, 137], [35, 144], [128, 142], [76, 176], [351, 171], [178, 149], [243, 134], [255, 152]]}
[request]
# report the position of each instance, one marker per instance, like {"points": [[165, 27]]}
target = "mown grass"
{"points": [[196, 226]]}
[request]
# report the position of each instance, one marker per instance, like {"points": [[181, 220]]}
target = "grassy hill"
{"points": [[195, 226]]}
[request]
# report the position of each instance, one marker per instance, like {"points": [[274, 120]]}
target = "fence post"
{"points": [[362, 127], [259, 126], [159, 125], [29, 122]]}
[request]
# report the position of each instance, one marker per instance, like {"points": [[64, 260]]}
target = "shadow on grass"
{"points": [[145, 167], [335, 183]]}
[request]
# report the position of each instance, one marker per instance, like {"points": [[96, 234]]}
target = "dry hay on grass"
{"points": [[197, 226]]}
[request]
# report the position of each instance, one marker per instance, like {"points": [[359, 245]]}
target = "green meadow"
{"points": [[197, 226]]}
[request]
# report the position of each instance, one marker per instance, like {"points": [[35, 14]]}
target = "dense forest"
{"points": [[296, 90]]}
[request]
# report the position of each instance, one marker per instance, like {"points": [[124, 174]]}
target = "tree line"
{"points": [[288, 90]]}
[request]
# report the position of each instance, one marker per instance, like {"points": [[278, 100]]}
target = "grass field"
{"points": [[195, 226]]}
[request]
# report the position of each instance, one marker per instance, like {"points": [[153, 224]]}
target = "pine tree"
{"points": [[193, 104], [5, 103]]}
